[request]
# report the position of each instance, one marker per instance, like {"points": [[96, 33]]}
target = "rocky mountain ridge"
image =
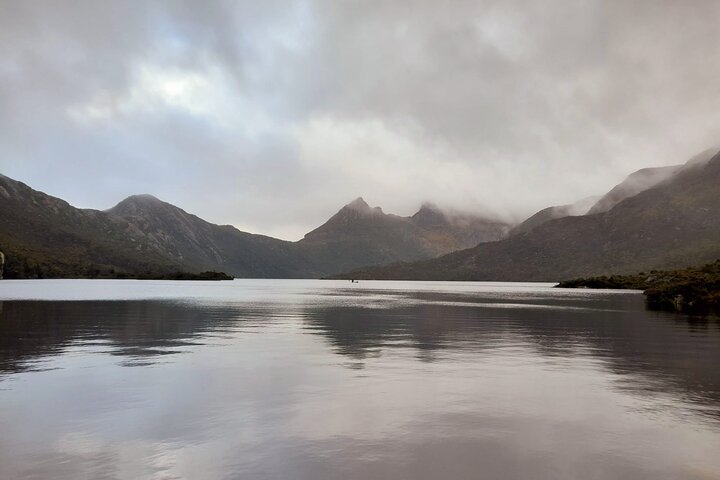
{"points": [[46, 236]]}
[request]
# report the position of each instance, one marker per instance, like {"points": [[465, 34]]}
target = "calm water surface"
{"points": [[296, 379]]}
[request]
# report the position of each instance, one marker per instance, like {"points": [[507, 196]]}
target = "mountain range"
{"points": [[656, 219], [43, 236]]}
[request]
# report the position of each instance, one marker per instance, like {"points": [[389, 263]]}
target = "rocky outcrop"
{"points": [[2, 264]]}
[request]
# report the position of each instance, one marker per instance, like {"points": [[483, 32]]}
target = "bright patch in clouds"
{"points": [[175, 88], [210, 95], [152, 89]]}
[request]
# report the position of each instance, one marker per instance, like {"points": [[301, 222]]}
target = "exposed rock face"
{"points": [[2, 264]]}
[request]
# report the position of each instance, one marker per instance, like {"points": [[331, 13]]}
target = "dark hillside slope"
{"points": [[43, 236], [191, 241]]}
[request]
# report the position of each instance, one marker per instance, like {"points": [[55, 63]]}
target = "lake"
{"points": [[308, 379]]}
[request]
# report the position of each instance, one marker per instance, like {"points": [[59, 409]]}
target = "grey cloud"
{"points": [[270, 115]]}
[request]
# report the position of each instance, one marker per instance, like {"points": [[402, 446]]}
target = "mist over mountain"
{"points": [[580, 207], [672, 224], [361, 235], [635, 183], [452, 230]]}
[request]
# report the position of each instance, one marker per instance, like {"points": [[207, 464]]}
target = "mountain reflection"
{"points": [[31, 331], [648, 352]]}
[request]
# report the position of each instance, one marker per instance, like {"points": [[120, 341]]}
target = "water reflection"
{"points": [[35, 330], [660, 351], [329, 382], [650, 351]]}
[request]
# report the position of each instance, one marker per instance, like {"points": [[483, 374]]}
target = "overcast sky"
{"points": [[270, 115]]}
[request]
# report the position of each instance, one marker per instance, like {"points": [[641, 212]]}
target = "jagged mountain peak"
{"points": [[359, 205], [429, 215], [355, 213]]}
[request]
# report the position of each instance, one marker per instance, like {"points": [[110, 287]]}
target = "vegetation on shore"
{"points": [[181, 276], [693, 289], [28, 267]]}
